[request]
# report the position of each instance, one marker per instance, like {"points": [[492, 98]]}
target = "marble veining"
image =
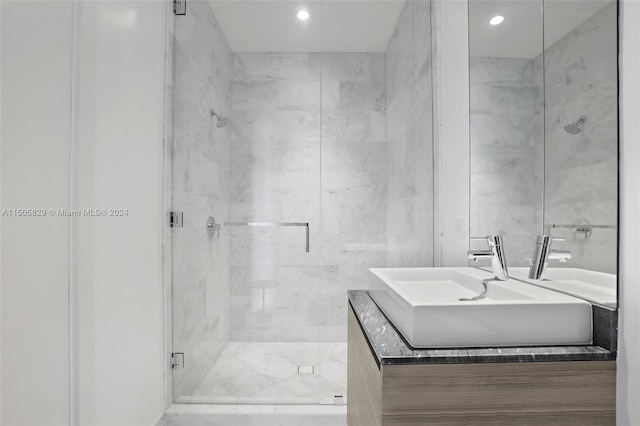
{"points": [[605, 328], [409, 139], [506, 152], [581, 171], [267, 372], [389, 347], [308, 144]]}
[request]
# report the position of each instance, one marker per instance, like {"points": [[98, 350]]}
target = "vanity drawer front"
{"points": [[549, 393]]}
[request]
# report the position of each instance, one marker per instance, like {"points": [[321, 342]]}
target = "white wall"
{"points": [[82, 87], [451, 131], [629, 295], [116, 261], [35, 136]]}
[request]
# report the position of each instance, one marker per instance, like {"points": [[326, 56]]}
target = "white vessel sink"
{"points": [[424, 305], [597, 287]]}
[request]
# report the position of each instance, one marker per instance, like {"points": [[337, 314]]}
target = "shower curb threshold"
{"points": [[256, 414]]}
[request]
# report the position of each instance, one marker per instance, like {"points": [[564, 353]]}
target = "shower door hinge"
{"points": [[177, 360], [180, 7], [176, 219]]}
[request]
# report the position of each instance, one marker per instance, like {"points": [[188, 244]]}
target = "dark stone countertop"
{"points": [[389, 347]]}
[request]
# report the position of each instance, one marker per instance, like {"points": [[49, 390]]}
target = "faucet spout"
{"points": [[496, 254], [479, 254], [542, 254]]}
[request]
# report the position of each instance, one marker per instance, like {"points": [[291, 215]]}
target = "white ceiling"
{"points": [[333, 26], [367, 25], [520, 35]]}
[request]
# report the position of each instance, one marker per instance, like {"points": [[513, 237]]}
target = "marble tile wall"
{"points": [[581, 170], [409, 139], [506, 153], [307, 145], [200, 170]]}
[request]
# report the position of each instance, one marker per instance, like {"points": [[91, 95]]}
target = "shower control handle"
{"points": [[213, 227]]}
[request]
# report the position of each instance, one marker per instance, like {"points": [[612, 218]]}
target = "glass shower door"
{"points": [[199, 196], [275, 342], [291, 134], [249, 297]]}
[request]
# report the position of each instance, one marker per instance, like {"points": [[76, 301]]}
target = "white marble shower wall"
{"points": [[581, 171], [200, 169], [506, 152], [307, 145], [410, 139], [354, 170]]}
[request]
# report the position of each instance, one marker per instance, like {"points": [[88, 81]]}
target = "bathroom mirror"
{"points": [[544, 137]]}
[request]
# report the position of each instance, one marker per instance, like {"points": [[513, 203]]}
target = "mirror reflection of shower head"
{"points": [[222, 121], [575, 128]]}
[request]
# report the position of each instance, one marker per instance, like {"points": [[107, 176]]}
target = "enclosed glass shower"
{"points": [[300, 156]]}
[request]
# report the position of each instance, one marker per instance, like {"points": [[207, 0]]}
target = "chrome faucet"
{"points": [[495, 253], [543, 253]]}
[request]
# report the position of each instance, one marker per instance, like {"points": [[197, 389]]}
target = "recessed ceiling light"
{"points": [[303, 15], [496, 20]]}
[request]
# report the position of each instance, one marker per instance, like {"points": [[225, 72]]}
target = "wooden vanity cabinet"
{"points": [[519, 393]]}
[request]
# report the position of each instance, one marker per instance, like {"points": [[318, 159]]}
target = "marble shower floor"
{"points": [[267, 373]]}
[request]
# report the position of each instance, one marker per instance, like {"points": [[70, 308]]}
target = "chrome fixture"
{"points": [[177, 360], [575, 128], [581, 228], [273, 224], [222, 121], [176, 219], [213, 227], [543, 253], [180, 7], [495, 253]]}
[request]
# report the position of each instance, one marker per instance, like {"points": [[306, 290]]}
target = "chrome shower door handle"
{"points": [[276, 224]]}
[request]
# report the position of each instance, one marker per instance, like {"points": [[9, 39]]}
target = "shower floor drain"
{"points": [[306, 369]]}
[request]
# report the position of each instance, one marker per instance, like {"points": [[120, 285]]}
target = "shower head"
{"points": [[575, 128], [221, 121]]}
